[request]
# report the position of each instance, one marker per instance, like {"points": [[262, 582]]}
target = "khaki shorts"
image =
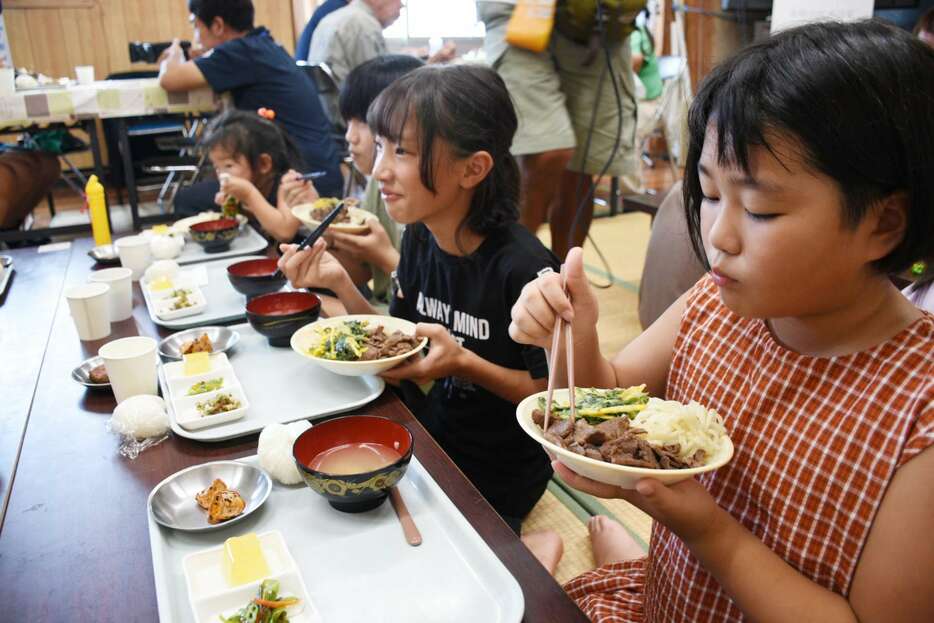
{"points": [[555, 91]]}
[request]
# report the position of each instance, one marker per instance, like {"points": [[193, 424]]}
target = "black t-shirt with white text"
{"points": [[472, 296]]}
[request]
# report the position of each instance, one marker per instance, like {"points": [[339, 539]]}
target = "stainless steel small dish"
{"points": [[105, 254], [82, 374], [222, 340], [172, 501]]}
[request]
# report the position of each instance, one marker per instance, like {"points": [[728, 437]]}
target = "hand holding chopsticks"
{"points": [[318, 232]]}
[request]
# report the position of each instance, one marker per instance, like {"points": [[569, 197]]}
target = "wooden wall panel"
{"points": [[59, 35]]}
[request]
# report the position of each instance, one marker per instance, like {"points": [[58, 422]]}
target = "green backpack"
{"points": [[577, 19]]}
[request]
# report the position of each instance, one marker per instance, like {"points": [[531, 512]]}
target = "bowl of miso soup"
{"points": [[353, 461]]}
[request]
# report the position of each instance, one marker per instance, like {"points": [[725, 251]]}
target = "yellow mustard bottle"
{"points": [[531, 24], [97, 206]]}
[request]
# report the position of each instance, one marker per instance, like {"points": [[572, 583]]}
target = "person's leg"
{"points": [[544, 140], [595, 113], [541, 177], [611, 542], [546, 546], [572, 210]]}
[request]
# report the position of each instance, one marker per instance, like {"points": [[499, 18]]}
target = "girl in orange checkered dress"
{"points": [[809, 179]]}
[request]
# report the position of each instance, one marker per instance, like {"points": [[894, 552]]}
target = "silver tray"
{"points": [[82, 374], [222, 340], [171, 502], [248, 242], [282, 387], [453, 576], [7, 262], [105, 255], [224, 303]]}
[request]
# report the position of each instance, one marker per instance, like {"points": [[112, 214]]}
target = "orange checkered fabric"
{"points": [[817, 442]]}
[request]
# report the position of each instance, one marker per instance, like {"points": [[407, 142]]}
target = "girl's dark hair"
{"points": [[249, 135], [238, 14], [467, 107], [368, 80], [858, 98]]}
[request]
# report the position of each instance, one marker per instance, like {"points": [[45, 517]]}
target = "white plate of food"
{"points": [[216, 593], [358, 345], [226, 404], [352, 220], [182, 302], [647, 437]]}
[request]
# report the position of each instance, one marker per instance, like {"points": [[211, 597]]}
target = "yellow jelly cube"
{"points": [[160, 283], [243, 560], [160, 229], [197, 363]]}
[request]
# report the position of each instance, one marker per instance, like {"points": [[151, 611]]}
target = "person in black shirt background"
{"points": [[259, 73], [445, 171]]}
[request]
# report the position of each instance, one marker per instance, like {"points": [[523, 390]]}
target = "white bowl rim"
{"points": [[720, 459], [321, 322], [302, 213]]}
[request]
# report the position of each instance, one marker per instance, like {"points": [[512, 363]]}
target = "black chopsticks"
{"points": [[317, 233]]}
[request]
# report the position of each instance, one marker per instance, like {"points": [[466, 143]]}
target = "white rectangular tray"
{"points": [[224, 303], [358, 567], [282, 387], [248, 242]]}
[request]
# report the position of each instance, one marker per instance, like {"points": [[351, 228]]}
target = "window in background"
{"points": [[423, 19]]}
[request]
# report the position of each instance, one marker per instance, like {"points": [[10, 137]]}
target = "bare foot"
{"points": [[611, 542], [546, 546]]}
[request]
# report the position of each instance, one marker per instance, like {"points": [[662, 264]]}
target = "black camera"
{"points": [[145, 52]]}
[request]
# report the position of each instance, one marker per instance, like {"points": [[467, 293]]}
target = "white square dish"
{"points": [[188, 416]]}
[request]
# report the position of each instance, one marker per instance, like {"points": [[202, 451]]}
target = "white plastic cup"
{"points": [[121, 291], [85, 74], [7, 81], [89, 305], [131, 366], [134, 254]]}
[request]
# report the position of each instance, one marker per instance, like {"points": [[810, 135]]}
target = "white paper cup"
{"points": [[131, 366], [7, 81], [121, 291], [84, 74], [134, 254], [89, 305]]}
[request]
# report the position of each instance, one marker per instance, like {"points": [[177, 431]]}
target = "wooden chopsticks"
{"points": [[561, 324]]}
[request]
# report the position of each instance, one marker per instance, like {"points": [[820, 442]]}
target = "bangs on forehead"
{"points": [[738, 110], [390, 112]]}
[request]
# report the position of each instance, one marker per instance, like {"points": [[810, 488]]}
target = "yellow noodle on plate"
{"points": [[692, 427]]}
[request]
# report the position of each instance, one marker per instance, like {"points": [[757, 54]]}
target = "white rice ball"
{"points": [[140, 417], [162, 268], [275, 450]]}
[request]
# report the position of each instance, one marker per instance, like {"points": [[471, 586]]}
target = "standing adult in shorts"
{"points": [[568, 114]]}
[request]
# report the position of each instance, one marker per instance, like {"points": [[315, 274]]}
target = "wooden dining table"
{"points": [[74, 537]]}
